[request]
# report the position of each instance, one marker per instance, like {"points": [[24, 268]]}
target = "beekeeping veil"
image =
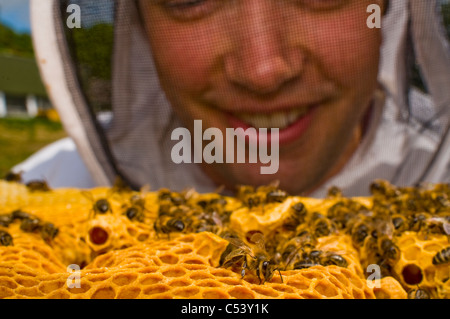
{"points": [[102, 80]]}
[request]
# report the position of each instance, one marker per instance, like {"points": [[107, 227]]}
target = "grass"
{"points": [[20, 138]]}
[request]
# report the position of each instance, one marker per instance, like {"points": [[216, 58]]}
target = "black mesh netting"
{"points": [[130, 109]]}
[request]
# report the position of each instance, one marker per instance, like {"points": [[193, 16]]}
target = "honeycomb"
{"points": [[389, 288], [186, 267], [117, 243], [415, 265]]}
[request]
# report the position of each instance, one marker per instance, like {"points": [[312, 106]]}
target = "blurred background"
{"points": [[28, 120]]}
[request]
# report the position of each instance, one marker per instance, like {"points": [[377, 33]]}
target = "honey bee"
{"points": [[199, 220], [297, 214], [329, 258], [136, 209], [100, 206], [6, 220], [334, 192], [167, 224], [384, 189], [411, 205], [5, 238], [306, 238], [138, 200], [20, 214], [320, 257], [48, 231], [164, 194], [273, 193], [38, 186], [290, 250], [13, 177], [382, 207], [442, 257], [209, 220], [276, 196], [249, 196], [380, 247], [388, 250], [442, 188], [343, 212], [359, 233], [252, 259], [306, 260], [121, 186], [443, 201], [435, 202], [253, 201], [436, 225], [172, 218], [400, 223], [322, 226], [166, 197], [216, 204], [30, 224], [203, 225], [418, 221], [384, 233], [135, 213], [419, 293]]}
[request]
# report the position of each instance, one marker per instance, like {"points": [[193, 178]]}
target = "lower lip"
{"points": [[286, 135]]}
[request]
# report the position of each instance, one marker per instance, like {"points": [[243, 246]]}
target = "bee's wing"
{"points": [[385, 227], [88, 195], [336, 252], [237, 242], [219, 189], [188, 193], [446, 227], [232, 255], [216, 218], [291, 256], [258, 239], [275, 183], [145, 189]]}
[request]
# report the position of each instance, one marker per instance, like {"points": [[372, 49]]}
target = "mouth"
{"points": [[292, 123], [280, 120]]}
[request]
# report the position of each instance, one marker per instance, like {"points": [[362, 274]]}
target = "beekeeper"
{"points": [[334, 94]]}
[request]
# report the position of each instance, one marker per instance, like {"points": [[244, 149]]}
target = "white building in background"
{"points": [[22, 92], [3, 110]]}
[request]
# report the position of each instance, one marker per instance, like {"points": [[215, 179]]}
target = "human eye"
{"points": [[189, 9], [322, 4]]}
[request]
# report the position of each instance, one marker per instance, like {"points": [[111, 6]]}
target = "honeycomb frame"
{"points": [[135, 262]]}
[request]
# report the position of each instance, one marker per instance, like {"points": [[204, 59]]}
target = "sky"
{"points": [[16, 14]]}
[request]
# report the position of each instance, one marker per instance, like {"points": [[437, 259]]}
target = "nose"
{"points": [[261, 60]]}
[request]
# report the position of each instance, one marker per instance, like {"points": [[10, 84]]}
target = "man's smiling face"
{"points": [[307, 67]]}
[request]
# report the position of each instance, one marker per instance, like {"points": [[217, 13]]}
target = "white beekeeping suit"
{"points": [[407, 140]]}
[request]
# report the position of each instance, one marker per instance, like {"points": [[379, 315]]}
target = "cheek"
{"points": [[346, 50], [185, 57]]}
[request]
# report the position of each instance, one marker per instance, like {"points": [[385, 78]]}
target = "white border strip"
{"points": [[51, 68]]}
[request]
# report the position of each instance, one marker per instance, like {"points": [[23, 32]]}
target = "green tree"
{"points": [[15, 44], [93, 49], [446, 16]]}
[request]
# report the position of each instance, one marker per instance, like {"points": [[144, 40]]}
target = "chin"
{"points": [[249, 174]]}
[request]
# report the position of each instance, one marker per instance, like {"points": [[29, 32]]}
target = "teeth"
{"points": [[279, 120]]}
